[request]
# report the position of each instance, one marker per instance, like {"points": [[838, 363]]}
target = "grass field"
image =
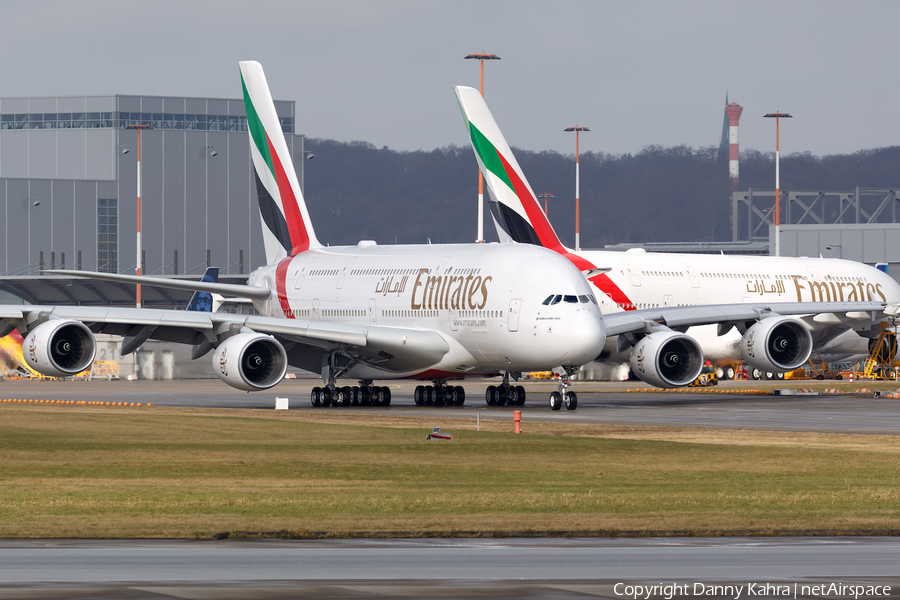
{"points": [[185, 473]]}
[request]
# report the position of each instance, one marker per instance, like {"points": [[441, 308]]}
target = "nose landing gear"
{"points": [[562, 397]]}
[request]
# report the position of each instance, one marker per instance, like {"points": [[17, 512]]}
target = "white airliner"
{"points": [[366, 312], [644, 283]]}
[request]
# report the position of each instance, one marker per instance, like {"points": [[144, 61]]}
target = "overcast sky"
{"points": [[636, 73]]}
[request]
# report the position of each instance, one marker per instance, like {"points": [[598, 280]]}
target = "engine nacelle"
{"points": [[250, 361], [59, 348], [777, 344], [667, 359]]}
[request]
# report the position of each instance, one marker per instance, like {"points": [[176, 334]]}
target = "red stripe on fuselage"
{"points": [[281, 287], [603, 283], [296, 226]]}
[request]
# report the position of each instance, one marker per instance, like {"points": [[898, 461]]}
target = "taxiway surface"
{"points": [[597, 403]]}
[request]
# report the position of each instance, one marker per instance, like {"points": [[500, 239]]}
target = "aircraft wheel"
{"points": [[385, 396], [490, 395], [364, 394], [375, 396], [460, 395], [555, 401], [779, 376], [439, 396], [326, 396], [729, 372], [502, 395], [419, 395], [354, 395], [520, 395], [755, 374], [571, 400], [429, 395], [315, 397], [346, 396]]}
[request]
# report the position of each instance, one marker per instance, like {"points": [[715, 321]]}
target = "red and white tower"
{"points": [[733, 111]]}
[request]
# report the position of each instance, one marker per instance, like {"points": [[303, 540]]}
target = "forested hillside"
{"points": [[357, 191]]}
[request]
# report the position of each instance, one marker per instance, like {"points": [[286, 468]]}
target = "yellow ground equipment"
{"points": [[706, 377]]}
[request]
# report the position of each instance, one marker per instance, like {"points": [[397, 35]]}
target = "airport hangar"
{"points": [[68, 194]]}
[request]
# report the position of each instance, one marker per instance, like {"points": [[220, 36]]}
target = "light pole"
{"points": [[481, 58], [577, 131], [545, 196], [139, 266], [777, 116]]}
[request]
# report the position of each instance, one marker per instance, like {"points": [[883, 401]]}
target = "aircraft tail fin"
{"points": [[203, 301], [514, 206], [287, 229]]}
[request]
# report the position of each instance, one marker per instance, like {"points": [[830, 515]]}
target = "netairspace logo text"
{"points": [[749, 590]]}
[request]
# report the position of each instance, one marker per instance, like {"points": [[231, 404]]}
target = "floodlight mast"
{"points": [[577, 131], [546, 195], [777, 116], [139, 266], [480, 238]]}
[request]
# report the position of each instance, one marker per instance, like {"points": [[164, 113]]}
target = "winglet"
{"points": [[287, 229], [514, 205]]}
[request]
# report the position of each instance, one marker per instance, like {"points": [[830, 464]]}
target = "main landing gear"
{"points": [[505, 394], [439, 394], [365, 394], [570, 399]]}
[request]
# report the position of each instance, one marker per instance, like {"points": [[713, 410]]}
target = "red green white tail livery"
{"points": [[287, 229], [515, 207]]}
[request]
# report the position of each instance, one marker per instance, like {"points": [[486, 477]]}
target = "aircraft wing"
{"points": [[388, 348], [225, 289], [680, 317]]}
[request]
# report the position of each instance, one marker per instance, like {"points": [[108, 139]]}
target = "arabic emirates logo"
{"points": [[750, 345], [640, 359], [223, 362]]}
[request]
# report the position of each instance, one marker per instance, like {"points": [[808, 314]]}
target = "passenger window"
{"points": [[547, 301], [556, 299], [571, 299]]}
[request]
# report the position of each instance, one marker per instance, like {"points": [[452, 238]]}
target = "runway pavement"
{"points": [[508, 568], [597, 403]]}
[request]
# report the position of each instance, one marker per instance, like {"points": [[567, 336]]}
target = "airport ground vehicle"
{"points": [[707, 377]]}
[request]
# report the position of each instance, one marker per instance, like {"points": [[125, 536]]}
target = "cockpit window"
{"points": [[556, 299], [583, 299], [547, 301], [571, 299]]}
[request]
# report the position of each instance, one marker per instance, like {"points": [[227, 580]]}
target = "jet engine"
{"points": [[777, 344], [667, 359], [250, 361], [59, 348]]}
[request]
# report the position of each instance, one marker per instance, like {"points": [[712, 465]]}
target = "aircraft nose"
{"points": [[586, 338]]}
